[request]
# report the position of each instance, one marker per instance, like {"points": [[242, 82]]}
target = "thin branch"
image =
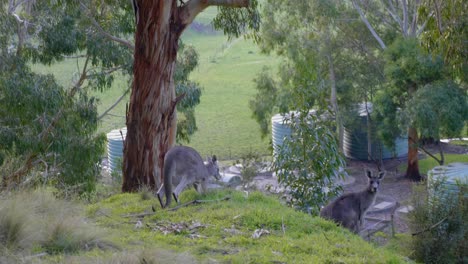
{"points": [[140, 215], [107, 71], [227, 198], [114, 105], [394, 14], [426, 151], [80, 81], [105, 33], [423, 26], [368, 25], [431, 227], [192, 8]]}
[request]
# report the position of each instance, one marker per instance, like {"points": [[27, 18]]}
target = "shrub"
{"points": [[309, 161], [251, 165], [439, 224]]}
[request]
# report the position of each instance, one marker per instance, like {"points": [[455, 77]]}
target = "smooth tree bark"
{"points": [[151, 118]]}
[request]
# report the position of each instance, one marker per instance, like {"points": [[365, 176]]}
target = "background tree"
{"points": [[41, 123], [318, 41], [151, 128], [416, 96], [408, 20]]}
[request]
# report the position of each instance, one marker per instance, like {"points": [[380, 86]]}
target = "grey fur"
{"points": [[349, 209], [183, 166]]}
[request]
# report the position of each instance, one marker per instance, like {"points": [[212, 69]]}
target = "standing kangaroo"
{"points": [[349, 209], [184, 166]]}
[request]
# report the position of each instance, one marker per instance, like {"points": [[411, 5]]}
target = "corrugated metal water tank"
{"points": [[355, 140], [279, 131], [115, 140], [452, 175]]}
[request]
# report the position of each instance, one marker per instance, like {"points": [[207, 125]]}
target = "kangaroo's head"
{"points": [[213, 168], [374, 181]]}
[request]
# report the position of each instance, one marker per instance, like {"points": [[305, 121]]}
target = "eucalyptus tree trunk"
{"points": [[151, 121], [412, 172]]}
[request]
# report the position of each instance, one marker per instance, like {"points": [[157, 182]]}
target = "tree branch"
{"points": [[192, 8], [405, 17], [431, 227], [429, 153], [394, 14], [114, 105], [368, 25], [415, 18], [227, 198], [105, 33]]}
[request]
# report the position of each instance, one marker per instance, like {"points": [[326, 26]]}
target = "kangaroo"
{"points": [[184, 166], [349, 209]]}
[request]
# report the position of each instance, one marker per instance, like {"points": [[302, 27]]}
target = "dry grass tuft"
{"points": [[37, 221]]}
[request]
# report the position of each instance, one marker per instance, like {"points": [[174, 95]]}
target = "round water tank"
{"points": [[450, 176], [356, 140], [280, 129], [115, 140]]}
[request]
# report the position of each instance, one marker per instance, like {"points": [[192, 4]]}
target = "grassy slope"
{"points": [[305, 239]]}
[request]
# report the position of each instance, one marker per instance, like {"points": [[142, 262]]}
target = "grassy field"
{"points": [[226, 72]]}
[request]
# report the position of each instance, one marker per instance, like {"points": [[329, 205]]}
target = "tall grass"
{"points": [[37, 222]]}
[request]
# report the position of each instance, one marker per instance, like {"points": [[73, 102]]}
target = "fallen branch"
{"points": [[198, 202], [138, 215], [431, 227]]}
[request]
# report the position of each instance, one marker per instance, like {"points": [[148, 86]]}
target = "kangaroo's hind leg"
{"points": [[180, 187], [160, 194]]}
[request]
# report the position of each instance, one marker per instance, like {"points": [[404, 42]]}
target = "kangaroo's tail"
{"points": [[168, 172]]}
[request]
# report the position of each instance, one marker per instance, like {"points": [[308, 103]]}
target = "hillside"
{"points": [[216, 231]]}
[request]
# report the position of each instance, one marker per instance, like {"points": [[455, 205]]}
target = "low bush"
{"points": [[439, 223]]}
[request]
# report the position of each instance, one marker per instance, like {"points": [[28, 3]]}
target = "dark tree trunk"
{"points": [[150, 116], [412, 172]]}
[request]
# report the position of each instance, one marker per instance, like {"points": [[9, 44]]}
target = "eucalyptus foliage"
{"points": [[439, 109], [309, 163], [49, 129], [187, 61], [418, 94]]}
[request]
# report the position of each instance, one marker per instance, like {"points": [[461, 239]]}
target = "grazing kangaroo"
{"points": [[349, 209], [184, 166]]}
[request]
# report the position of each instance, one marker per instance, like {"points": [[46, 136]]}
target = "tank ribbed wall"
{"points": [[115, 140]]}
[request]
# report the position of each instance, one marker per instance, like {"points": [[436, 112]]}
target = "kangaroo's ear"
{"points": [[381, 174], [368, 173], [214, 159]]}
